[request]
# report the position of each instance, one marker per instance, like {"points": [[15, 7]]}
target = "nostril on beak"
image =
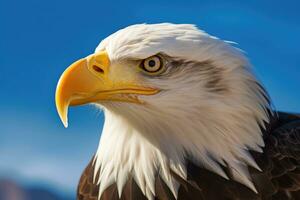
{"points": [[98, 69]]}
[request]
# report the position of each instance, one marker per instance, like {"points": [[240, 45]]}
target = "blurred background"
{"points": [[39, 158]]}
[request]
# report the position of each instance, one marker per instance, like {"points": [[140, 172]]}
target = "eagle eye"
{"points": [[152, 65]]}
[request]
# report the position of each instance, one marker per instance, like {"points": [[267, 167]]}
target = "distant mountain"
{"points": [[10, 190]]}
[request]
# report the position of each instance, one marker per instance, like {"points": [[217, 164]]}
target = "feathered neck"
{"points": [[136, 145]]}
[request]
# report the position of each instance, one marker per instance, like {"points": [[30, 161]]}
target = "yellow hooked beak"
{"points": [[88, 80]]}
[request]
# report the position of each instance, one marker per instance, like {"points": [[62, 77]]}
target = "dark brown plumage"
{"points": [[279, 179]]}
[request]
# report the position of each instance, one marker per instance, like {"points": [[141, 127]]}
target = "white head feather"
{"points": [[187, 119]]}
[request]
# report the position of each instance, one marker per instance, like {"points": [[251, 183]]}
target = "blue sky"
{"points": [[39, 39]]}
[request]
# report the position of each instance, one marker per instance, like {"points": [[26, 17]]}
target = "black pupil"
{"points": [[151, 63]]}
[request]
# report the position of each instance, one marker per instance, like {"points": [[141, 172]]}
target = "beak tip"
{"points": [[65, 124], [63, 118], [62, 110]]}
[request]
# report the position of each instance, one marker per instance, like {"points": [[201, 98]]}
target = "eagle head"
{"points": [[170, 92]]}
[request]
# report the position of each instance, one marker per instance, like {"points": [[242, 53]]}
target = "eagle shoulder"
{"points": [[281, 163]]}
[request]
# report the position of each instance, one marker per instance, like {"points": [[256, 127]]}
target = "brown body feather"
{"points": [[278, 180]]}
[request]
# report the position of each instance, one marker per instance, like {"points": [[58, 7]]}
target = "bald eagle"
{"points": [[185, 118]]}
